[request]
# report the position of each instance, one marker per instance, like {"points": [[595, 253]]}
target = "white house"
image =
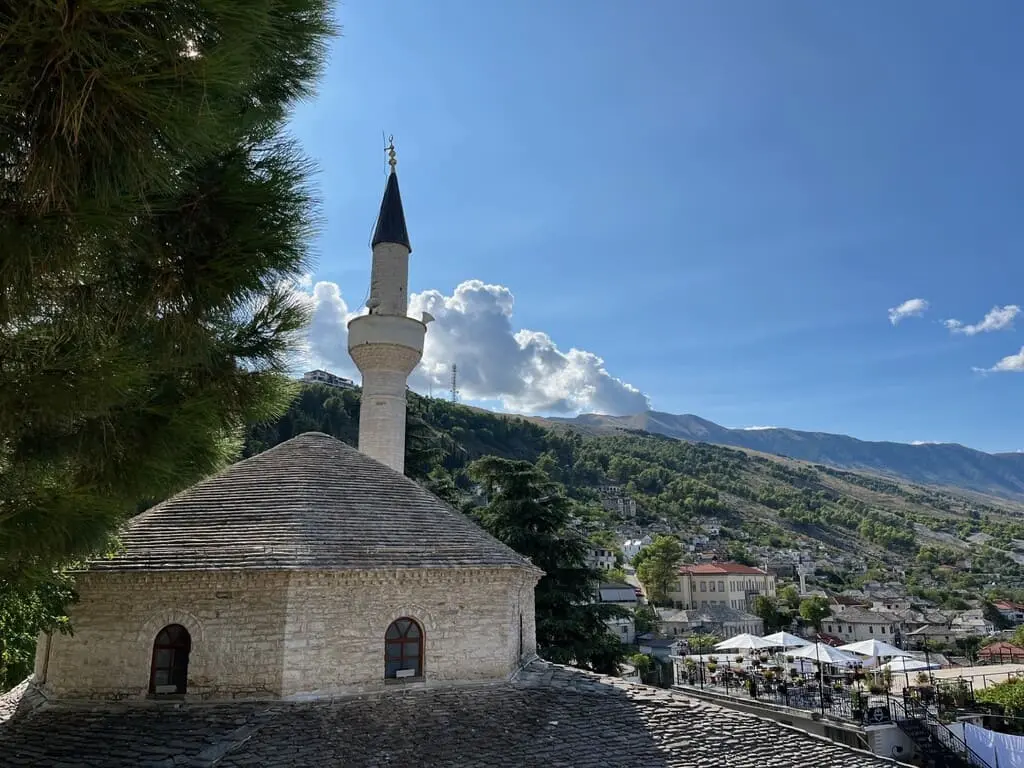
{"points": [[326, 377], [631, 547]]}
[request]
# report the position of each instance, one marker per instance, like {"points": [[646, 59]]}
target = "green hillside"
{"points": [[858, 521]]}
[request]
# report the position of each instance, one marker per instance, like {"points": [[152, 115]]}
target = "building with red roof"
{"points": [[721, 583], [1001, 652], [1013, 612]]}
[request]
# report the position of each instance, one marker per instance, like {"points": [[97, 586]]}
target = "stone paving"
{"points": [[549, 717]]}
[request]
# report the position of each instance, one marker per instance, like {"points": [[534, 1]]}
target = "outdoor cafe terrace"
{"points": [[861, 683]]}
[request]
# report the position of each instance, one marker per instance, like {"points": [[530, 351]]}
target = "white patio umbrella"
{"points": [[744, 642], [825, 654], [786, 640], [874, 649], [907, 664]]}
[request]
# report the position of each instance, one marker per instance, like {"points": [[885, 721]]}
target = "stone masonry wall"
{"points": [[261, 634], [236, 620], [382, 410], [389, 278], [337, 622]]}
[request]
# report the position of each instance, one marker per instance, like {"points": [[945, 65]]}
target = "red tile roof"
{"points": [[1006, 605], [717, 568], [1002, 648]]}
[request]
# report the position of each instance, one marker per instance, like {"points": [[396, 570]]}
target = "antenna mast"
{"points": [[455, 380]]}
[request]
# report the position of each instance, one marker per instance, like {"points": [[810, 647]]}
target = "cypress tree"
{"points": [[528, 512], [154, 218]]}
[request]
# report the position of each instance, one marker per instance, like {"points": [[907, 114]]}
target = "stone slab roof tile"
{"points": [[312, 502], [549, 717]]}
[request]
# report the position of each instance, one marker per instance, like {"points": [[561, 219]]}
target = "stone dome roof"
{"points": [[311, 503]]}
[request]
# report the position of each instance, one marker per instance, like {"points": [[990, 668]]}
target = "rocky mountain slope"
{"points": [[939, 464]]}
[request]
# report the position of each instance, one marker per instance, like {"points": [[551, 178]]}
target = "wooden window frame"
{"points": [[183, 645], [404, 639]]}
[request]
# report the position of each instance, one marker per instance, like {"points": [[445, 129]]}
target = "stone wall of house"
{"points": [[261, 634], [470, 621], [236, 620]]}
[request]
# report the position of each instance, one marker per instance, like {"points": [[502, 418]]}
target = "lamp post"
{"points": [[700, 660], [821, 677], [927, 661]]}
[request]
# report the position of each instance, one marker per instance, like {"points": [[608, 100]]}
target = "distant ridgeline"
{"points": [[759, 500]]}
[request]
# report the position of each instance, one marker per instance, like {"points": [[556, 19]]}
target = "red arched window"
{"points": [[169, 673], [403, 649]]}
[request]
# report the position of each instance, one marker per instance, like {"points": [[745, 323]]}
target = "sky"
{"points": [[798, 214]]}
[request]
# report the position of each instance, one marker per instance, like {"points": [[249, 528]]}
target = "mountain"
{"points": [[939, 464]]}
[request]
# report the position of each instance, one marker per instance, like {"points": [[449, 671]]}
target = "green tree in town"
{"points": [[767, 610], [527, 511], [657, 567], [1009, 695], [441, 484], [814, 610], [789, 598], [740, 554], [702, 643], [1018, 637], [642, 662], [968, 647], [154, 218], [614, 576], [645, 619], [24, 613]]}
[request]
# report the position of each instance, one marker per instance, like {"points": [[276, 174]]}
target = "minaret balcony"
{"points": [[396, 330]]}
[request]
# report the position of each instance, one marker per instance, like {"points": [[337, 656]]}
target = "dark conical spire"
{"points": [[391, 219]]}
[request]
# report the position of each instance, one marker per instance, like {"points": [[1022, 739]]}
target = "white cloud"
{"points": [[909, 308], [1009, 364], [522, 369], [756, 428], [997, 319]]}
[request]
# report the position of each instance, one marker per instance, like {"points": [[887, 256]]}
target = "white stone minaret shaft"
{"points": [[386, 344]]}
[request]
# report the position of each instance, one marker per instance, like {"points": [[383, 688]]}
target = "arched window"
{"points": [[171, 648], [403, 649]]}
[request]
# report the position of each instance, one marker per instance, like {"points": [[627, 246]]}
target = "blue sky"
{"points": [[720, 199]]}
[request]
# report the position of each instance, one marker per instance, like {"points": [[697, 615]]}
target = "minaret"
{"points": [[386, 344]]}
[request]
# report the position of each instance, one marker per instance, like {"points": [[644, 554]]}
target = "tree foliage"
{"points": [[153, 217], [645, 619], [657, 567], [25, 611], [769, 612], [789, 598], [814, 610], [1009, 695], [526, 510]]}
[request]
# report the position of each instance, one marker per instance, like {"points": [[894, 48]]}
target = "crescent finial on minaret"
{"points": [[392, 158], [391, 219]]}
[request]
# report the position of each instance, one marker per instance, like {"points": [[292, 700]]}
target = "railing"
{"points": [[937, 731], [841, 704]]}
